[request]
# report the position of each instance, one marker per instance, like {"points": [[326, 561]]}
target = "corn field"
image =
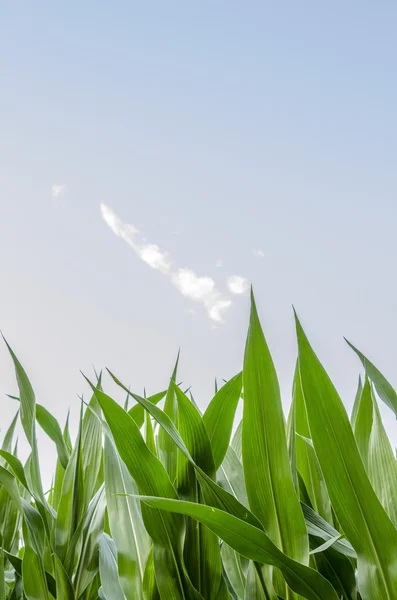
{"points": [[170, 503]]}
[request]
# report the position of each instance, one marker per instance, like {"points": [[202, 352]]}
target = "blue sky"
{"points": [[216, 129]]}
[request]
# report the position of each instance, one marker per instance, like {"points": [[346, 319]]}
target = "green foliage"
{"points": [[156, 501]]}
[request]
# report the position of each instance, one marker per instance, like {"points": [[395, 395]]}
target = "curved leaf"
{"points": [[384, 389], [361, 515], [267, 470], [252, 543], [108, 569], [219, 417]]}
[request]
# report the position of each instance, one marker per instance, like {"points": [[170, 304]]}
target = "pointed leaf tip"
{"points": [[89, 383], [8, 345], [174, 372], [299, 329], [253, 311]]}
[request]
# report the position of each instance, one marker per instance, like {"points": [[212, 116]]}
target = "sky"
{"points": [[157, 158]]}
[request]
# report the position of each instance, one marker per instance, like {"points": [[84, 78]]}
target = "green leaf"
{"points": [[267, 470], [151, 477], [125, 521], [382, 465], [51, 426], [254, 589], [356, 403], [7, 442], [149, 434], [70, 509], [91, 529], [306, 459], [223, 592], [219, 417], [363, 422], [201, 547], [252, 543], [64, 586], [291, 440], [230, 476], [33, 576], [202, 552], [7, 479], [16, 466], [108, 569], [231, 561], [150, 590], [35, 526], [91, 444], [137, 412], [384, 389], [27, 398], [339, 571], [2, 577], [166, 448], [194, 434], [160, 416], [17, 592], [358, 510], [28, 418], [319, 528], [214, 494], [326, 544], [59, 470], [237, 440]]}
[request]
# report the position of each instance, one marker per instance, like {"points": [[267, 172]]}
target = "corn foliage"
{"points": [[159, 501]]}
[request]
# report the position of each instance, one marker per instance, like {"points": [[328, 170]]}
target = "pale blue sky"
{"points": [[216, 128]]}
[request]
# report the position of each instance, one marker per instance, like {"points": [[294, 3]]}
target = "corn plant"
{"points": [[160, 501]]}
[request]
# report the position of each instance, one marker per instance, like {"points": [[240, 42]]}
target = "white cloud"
{"points": [[58, 190], [258, 252], [152, 255], [111, 219], [237, 284], [197, 288], [201, 289], [219, 263], [190, 285], [149, 253], [216, 308]]}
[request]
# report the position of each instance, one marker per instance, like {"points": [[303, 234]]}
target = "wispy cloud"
{"points": [[237, 284], [201, 289], [114, 222], [219, 263], [190, 285], [58, 190], [258, 252], [217, 307], [149, 253], [152, 255]]}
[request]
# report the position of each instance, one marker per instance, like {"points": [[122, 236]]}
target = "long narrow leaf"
{"points": [[267, 470], [357, 508], [151, 477], [252, 543], [384, 389], [219, 417]]}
